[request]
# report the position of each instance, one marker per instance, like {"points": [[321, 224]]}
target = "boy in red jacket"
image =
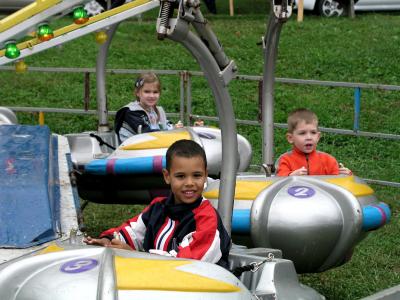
{"points": [[184, 224], [304, 159]]}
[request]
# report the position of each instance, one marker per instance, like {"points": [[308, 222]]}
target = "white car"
{"points": [[330, 8]]}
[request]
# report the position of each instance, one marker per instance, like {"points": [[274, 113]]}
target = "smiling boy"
{"points": [[304, 159], [184, 224]]}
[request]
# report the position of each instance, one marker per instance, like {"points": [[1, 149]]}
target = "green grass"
{"points": [[361, 50]]}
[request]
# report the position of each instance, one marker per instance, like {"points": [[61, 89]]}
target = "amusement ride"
{"points": [[290, 225]]}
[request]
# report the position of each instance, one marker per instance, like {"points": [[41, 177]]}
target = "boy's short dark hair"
{"points": [[299, 115], [185, 148]]}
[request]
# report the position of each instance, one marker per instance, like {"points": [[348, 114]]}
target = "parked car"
{"points": [[330, 8]]}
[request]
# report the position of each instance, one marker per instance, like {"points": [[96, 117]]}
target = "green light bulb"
{"points": [[12, 50], [44, 29], [44, 32], [80, 15]]}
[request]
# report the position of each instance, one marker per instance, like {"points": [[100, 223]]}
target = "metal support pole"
{"points": [[357, 109], [102, 109], [280, 12], [188, 98], [86, 96], [260, 100], [351, 9], [180, 32], [270, 54], [182, 96]]}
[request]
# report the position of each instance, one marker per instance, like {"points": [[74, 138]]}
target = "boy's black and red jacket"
{"points": [[183, 230]]}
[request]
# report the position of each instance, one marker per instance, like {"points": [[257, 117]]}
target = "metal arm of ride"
{"points": [[217, 72], [228, 67], [189, 10], [205, 33], [281, 10], [101, 95]]}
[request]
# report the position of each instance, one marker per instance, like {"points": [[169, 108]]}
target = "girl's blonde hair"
{"points": [[148, 77], [143, 78]]}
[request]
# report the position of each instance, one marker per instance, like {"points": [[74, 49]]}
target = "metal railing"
{"points": [[187, 115]]}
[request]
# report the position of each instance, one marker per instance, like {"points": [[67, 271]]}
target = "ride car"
{"points": [[331, 8]]}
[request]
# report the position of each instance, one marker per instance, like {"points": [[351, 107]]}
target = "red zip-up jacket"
{"points": [[192, 230], [316, 162]]}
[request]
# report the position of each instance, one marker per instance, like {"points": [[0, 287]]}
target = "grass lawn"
{"points": [[364, 49]]}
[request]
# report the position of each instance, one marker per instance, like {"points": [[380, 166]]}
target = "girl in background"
{"points": [[142, 115]]}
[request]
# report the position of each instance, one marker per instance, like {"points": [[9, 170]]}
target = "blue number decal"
{"points": [[301, 191], [79, 265]]}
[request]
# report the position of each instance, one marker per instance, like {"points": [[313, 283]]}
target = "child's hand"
{"points": [[160, 252], [98, 242], [198, 122], [343, 170], [116, 243], [179, 124], [299, 172]]}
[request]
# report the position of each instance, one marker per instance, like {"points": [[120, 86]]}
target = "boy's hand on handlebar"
{"points": [[343, 170], [116, 243], [299, 172], [198, 122], [179, 124], [97, 242]]}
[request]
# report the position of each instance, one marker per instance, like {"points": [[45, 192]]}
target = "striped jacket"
{"points": [[132, 119], [182, 230]]}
